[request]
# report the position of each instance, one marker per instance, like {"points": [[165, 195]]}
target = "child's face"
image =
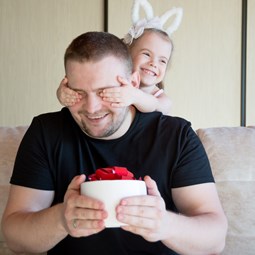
{"points": [[150, 55]]}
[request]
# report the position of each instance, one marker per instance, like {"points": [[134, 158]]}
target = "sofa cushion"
{"points": [[10, 138], [231, 152]]}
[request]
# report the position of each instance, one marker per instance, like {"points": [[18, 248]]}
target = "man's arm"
{"points": [[200, 228], [201, 224], [27, 225], [31, 225]]}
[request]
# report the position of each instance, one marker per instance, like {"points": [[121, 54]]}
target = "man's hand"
{"points": [[83, 216], [145, 215]]}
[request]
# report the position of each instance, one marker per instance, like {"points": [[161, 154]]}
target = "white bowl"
{"points": [[111, 192]]}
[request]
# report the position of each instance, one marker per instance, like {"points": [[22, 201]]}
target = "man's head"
{"points": [[94, 46], [93, 61]]}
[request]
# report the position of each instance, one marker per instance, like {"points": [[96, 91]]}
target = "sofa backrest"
{"points": [[231, 152]]}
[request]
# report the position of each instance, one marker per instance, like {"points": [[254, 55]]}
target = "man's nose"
{"points": [[93, 103]]}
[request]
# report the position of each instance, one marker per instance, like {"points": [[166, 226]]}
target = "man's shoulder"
{"points": [[52, 121], [53, 118], [161, 119], [176, 119], [57, 115]]}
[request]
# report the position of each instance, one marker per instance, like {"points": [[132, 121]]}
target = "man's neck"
{"points": [[130, 115]]}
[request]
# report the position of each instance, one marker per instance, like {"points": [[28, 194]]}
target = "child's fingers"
{"points": [[111, 95], [122, 80], [71, 100], [69, 92], [111, 99], [116, 105], [72, 95], [111, 90], [65, 81]]}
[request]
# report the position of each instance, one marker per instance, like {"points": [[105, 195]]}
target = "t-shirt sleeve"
{"points": [[32, 167], [192, 166]]}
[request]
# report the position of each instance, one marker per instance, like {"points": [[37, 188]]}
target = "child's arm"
{"points": [[127, 94], [66, 96], [163, 103]]}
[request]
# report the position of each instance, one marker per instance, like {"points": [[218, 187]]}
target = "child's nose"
{"points": [[153, 63]]}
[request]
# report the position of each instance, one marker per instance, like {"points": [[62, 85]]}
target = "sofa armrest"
{"points": [[231, 152]]}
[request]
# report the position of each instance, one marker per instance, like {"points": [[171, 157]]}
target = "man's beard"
{"points": [[110, 129]]}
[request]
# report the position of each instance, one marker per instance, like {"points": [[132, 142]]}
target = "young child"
{"points": [[150, 47]]}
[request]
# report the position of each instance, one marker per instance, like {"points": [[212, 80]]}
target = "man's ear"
{"points": [[135, 79]]}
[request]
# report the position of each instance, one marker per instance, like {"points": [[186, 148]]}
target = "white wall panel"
{"points": [[34, 35], [204, 76], [250, 116]]}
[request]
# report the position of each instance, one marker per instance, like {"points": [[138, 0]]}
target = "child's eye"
{"points": [[163, 61], [146, 54]]}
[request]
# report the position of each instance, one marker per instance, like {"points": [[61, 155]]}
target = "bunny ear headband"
{"points": [[151, 22]]}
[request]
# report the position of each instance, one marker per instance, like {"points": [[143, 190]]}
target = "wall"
{"points": [[34, 35], [204, 76], [250, 114]]}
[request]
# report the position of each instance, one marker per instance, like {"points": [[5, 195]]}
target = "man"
{"points": [[45, 212]]}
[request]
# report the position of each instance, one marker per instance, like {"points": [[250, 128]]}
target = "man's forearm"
{"points": [[34, 232], [203, 234]]}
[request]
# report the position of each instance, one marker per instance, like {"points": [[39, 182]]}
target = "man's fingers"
{"points": [[76, 182], [151, 185]]}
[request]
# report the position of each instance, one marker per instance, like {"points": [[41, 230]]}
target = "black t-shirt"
{"points": [[54, 150]]}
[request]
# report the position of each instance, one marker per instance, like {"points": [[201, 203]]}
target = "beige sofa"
{"points": [[231, 152]]}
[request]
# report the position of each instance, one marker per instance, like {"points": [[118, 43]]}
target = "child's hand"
{"points": [[67, 96], [120, 96]]}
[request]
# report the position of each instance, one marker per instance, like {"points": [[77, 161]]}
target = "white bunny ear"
{"points": [[136, 8], [177, 21], [139, 25]]}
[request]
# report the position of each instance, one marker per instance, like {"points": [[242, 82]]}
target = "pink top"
{"points": [[159, 92]]}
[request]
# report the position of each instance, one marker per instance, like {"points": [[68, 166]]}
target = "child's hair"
{"points": [[161, 33]]}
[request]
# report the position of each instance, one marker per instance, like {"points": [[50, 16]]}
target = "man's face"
{"points": [[94, 116]]}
